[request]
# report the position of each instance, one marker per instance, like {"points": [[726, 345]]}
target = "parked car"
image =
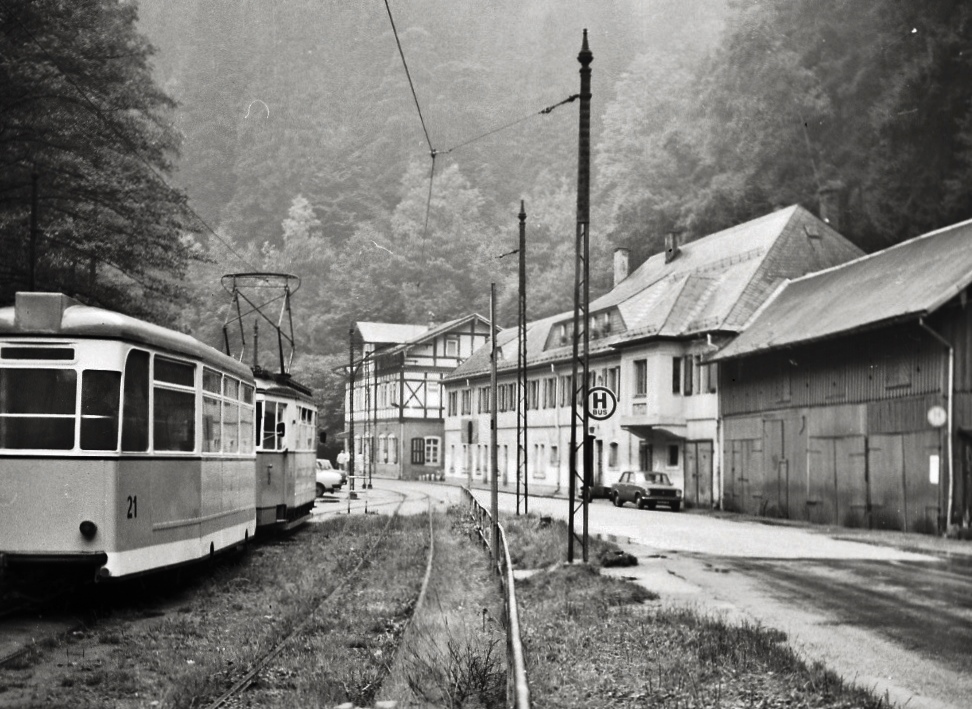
{"points": [[646, 489], [328, 479]]}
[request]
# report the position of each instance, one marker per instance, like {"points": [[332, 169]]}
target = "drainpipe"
{"points": [[951, 385]]}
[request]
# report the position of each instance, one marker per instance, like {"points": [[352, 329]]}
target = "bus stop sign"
{"points": [[601, 403]]}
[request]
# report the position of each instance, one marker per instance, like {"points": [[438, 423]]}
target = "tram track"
{"points": [[262, 664]]}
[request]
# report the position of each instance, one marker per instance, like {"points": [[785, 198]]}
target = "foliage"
{"points": [[80, 111]]}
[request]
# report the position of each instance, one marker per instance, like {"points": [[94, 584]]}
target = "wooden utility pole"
{"points": [[33, 231], [582, 296]]}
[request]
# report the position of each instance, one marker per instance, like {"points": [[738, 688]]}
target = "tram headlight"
{"points": [[88, 529]]}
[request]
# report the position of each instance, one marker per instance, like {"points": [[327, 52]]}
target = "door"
{"points": [[776, 470], [698, 473]]}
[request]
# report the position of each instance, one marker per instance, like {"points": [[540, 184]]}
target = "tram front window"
{"points": [[37, 408]]}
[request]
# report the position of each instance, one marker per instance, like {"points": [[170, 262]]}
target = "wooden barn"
{"points": [[848, 398]]}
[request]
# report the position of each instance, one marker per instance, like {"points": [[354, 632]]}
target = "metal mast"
{"points": [[494, 483], [522, 469], [582, 296]]}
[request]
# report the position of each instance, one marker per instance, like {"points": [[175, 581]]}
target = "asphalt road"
{"points": [[898, 622]]}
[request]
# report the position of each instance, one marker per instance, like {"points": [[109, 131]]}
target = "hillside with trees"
{"points": [[291, 140]]}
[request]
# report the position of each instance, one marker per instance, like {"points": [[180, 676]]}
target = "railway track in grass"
{"points": [[263, 663]]}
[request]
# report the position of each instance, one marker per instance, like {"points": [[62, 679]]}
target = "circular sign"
{"points": [[937, 416], [601, 403]]}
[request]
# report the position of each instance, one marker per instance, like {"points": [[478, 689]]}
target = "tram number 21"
{"points": [[132, 506]]}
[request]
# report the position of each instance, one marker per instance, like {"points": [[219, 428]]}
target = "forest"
{"points": [[174, 141]]}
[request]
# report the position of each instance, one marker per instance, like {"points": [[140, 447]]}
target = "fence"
{"points": [[517, 690]]}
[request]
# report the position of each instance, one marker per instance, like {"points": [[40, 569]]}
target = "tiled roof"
{"points": [[908, 280], [429, 334], [714, 284]]}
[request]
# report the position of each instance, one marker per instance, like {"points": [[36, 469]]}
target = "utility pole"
{"points": [[522, 469], [494, 485], [582, 297], [351, 409]]}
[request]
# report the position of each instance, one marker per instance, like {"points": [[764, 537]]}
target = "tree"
{"points": [[80, 112]]}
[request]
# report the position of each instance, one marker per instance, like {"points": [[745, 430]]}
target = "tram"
{"points": [[286, 449], [124, 446]]}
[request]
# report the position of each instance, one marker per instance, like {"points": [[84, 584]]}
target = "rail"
{"points": [[517, 689]]}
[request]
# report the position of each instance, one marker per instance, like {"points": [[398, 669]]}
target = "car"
{"points": [[328, 479], [645, 489]]}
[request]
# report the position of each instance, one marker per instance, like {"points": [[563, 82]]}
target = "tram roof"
{"points": [[57, 315]]}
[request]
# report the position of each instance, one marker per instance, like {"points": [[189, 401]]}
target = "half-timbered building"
{"points": [[648, 337], [848, 399], [397, 404]]}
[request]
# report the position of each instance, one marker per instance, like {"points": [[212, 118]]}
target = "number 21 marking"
{"points": [[132, 506]]}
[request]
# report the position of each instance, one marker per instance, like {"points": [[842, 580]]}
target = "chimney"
{"points": [[828, 198], [621, 259], [671, 245]]}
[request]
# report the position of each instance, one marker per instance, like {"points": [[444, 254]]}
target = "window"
{"points": [[689, 372], [453, 403], [484, 393], [431, 450], [135, 413], [676, 375], [554, 457], [673, 456], [533, 394], [452, 347], [418, 451], [37, 408], [383, 447], [566, 395], [273, 426], [613, 455], [466, 401], [614, 380], [393, 450], [550, 393], [100, 394], [174, 408], [641, 377]]}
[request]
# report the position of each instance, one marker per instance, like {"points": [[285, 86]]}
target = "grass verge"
{"points": [[591, 641]]}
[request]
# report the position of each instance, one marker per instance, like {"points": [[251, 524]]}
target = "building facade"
{"points": [[848, 399], [394, 412], [649, 339]]}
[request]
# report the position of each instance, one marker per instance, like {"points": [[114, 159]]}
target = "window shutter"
{"points": [[418, 451]]}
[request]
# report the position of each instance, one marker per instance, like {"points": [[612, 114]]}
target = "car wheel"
{"points": [[676, 506], [637, 502], [616, 499], [320, 490]]}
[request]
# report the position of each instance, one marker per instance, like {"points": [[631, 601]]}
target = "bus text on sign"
{"points": [[601, 403]]}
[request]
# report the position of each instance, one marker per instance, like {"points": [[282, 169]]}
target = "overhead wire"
{"points": [[132, 150]]}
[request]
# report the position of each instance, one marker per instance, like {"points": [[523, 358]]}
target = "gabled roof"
{"points": [[906, 281], [383, 333], [434, 332], [714, 284]]}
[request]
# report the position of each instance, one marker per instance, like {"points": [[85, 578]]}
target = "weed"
{"points": [[467, 671]]}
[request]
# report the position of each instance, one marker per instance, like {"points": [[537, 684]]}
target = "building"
{"points": [[648, 338], [848, 399], [397, 405]]}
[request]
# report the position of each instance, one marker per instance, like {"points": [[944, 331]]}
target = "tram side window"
{"points": [[246, 420], [37, 408], [100, 390], [135, 414], [231, 427], [174, 411]]}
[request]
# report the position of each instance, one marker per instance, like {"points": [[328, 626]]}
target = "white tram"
{"points": [[123, 444], [286, 445]]}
